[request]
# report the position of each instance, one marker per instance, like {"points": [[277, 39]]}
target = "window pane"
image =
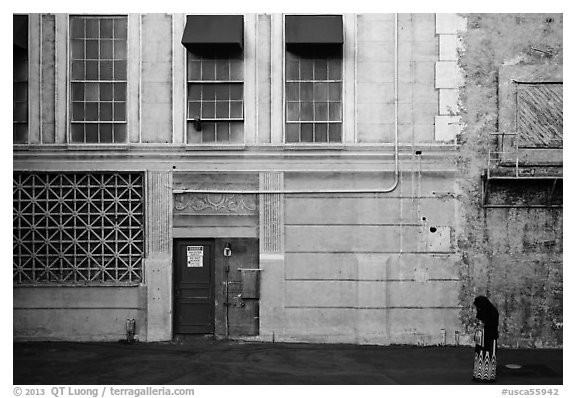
{"points": [[320, 69], [119, 133], [194, 68], [194, 110], [105, 70], [236, 92], [335, 111], [307, 134], [92, 50], [222, 132], [106, 28], [222, 91], [20, 111], [335, 91], [106, 111], [91, 70], [208, 133], [119, 91], [106, 133], [292, 91], [120, 51], [119, 70], [20, 133], [78, 70], [77, 28], [236, 72], [335, 69], [320, 91], [208, 92], [236, 109], [222, 109], [222, 70], [236, 132], [306, 90], [306, 111], [321, 133], [208, 110], [77, 133], [293, 132], [335, 132], [92, 28], [120, 28], [106, 49], [91, 93], [120, 111], [321, 111], [78, 49], [292, 111], [78, 111], [208, 70], [92, 133], [193, 136], [292, 70], [91, 111], [20, 91], [106, 92], [306, 69], [194, 92]]}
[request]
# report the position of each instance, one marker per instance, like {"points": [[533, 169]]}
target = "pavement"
{"points": [[205, 361]]}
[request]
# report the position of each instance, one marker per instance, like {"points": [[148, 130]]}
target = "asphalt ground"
{"points": [[222, 362]]}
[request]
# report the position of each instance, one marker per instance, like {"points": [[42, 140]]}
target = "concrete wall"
{"points": [[339, 268], [78, 313], [513, 255]]}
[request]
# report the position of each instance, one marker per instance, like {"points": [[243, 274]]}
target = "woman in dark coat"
{"points": [[486, 337]]}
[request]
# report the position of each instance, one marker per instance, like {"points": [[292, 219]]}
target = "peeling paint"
{"points": [[513, 255]]}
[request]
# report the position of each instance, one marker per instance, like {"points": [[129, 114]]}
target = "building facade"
{"points": [[265, 176]]}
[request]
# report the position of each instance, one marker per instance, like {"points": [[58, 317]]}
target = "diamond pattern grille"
{"points": [[540, 115], [73, 228]]}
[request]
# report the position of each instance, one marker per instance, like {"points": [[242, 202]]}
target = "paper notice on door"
{"points": [[195, 256]]}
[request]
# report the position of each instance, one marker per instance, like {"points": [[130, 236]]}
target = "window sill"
{"points": [[98, 147], [215, 147]]}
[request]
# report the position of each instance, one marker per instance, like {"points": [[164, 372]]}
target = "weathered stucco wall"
{"points": [[512, 255]]}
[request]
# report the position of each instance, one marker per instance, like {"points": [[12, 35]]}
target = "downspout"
{"points": [[327, 191]]}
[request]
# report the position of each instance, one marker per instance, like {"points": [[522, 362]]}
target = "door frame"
{"points": [[210, 242]]}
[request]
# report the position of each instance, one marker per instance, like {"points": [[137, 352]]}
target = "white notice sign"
{"points": [[195, 256]]}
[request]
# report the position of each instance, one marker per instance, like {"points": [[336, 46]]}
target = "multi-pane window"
{"points": [[314, 97], [98, 69], [215, 105], [20, 80]]}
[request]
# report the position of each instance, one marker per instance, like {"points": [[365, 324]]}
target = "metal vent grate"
{"points": [[540, 115], [74, 228]]}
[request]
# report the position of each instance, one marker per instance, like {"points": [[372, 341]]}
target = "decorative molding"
{"points": [[215, 204], [159, 213], [271, 214]]}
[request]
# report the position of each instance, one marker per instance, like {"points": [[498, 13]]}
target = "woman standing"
{"points": [[486, 337]]}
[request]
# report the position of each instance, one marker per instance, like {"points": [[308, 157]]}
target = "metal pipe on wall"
{"points": [[327, 191]]}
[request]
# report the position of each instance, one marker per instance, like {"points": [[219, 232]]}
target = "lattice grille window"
{"points": [[73, 228]]}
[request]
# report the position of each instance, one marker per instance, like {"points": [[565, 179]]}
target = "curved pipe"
{"points": [[328, 191]]}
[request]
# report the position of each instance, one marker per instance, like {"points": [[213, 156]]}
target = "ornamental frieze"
{"points": [[215, 204]]}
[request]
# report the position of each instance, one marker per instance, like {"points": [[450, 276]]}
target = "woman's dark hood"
{"points": [[486, 311]]}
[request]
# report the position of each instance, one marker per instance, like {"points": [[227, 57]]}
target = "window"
{"points": [[314, 97], [78, 228], [98, 69], [313, 73], [215, 113], [20, 80], [539, 115]]}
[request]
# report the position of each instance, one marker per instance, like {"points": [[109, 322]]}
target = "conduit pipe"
{"points": [[326, 191]]}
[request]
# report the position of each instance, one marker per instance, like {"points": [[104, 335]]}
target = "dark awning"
{"points": [[314, 29], [220, 31], [20, 25]]}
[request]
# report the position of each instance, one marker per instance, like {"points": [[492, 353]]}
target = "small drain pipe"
{"points": [[326, 191]]}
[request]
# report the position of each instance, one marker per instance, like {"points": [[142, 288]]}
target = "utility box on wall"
{"points": [[250, 279]]}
